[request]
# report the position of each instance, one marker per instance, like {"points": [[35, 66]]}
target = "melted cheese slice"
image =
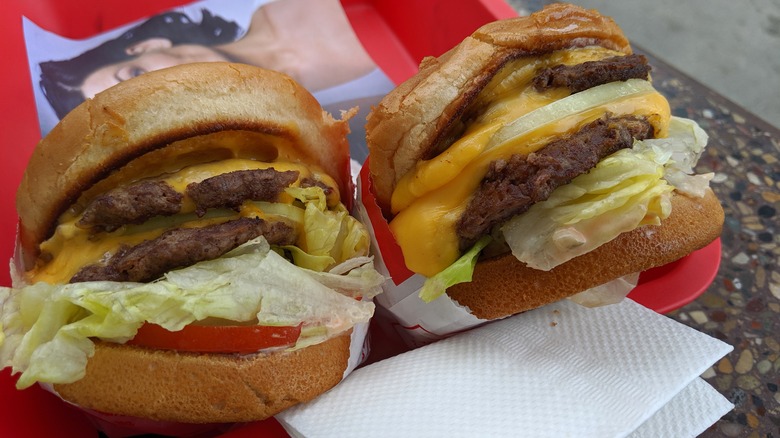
{"points": [[72, 247], [430, 199]]}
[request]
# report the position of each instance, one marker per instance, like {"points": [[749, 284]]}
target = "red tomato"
{"points": [[216, 339]]}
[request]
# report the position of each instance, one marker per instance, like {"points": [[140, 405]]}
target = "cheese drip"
{"points": [[430, 199]]}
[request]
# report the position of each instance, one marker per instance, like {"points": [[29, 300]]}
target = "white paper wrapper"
{"points": [[558, 371]]}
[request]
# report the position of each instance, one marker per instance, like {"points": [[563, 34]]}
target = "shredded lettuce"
{"points": [[458, 272], [46, 330], [329, 235]]}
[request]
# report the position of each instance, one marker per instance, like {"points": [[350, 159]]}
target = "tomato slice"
{"points": [[241, 339]]}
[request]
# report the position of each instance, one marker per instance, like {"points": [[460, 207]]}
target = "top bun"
{"points": [[409, 121], [158, 108]]}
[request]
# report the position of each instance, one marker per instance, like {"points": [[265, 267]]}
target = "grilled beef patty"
{"points": [[511, 186], [182, 247], [589, 74], [233, 188], [133, 204]]}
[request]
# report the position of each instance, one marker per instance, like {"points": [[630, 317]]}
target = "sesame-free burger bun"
{"points": [[205, 388]]}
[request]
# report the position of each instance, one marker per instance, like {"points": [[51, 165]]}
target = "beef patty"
{"points": [[511, 186], [182, 247], [233, 188], [589, 74], [133, 204], [136, 203]]}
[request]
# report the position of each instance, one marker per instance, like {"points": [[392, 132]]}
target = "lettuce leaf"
{"points": [[628, 189], [684, 145], [460, 271], [313, 262], [361, 280], [616, 196], [330, 236], [46, 329]]}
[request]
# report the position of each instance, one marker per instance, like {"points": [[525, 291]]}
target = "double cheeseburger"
{"points": [[185, 250], [534, 161]]}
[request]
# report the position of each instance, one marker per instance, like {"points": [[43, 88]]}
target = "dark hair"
{"points": [[61, 80]]}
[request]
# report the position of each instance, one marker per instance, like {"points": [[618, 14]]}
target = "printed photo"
{"points": [[310, 40]]}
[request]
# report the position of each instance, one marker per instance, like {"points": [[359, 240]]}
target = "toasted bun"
{"points": [[162, 107], [205, 388], [504, 286], [410, 120]]}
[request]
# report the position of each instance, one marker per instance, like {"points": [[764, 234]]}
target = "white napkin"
{"points": [[559, 371], [688, 414]]}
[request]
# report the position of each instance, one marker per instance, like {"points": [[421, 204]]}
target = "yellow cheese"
{"points": [[434, 199]]}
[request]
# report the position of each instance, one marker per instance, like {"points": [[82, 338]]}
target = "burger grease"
{"points": [[538, 150], [186, 250]]}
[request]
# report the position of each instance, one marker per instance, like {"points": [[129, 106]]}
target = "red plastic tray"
{"points": [[398, 34]]}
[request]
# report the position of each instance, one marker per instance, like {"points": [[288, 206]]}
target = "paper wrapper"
{"points": [[558, 371]]}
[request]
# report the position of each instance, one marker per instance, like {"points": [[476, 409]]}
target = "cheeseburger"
{"points": [[185, 251], [534, 161]]}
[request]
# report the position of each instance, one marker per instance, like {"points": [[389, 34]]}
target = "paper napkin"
{"points": [[688, 414], [559, 371]]}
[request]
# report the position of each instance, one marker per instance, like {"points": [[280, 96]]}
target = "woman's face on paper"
{"points": [[152, 55]]}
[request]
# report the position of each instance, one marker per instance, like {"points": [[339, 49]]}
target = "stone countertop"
{"points": [[742, 305]]}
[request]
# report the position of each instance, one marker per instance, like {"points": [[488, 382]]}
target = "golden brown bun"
{"points": [[205, 388], [160, 107], [407, 123], [504, 286]]}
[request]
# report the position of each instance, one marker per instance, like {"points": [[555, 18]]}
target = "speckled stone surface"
{"points": [[742, 305]]}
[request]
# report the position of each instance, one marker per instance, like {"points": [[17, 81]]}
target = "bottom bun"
{"points": [[205, 388], [504, 286]]}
